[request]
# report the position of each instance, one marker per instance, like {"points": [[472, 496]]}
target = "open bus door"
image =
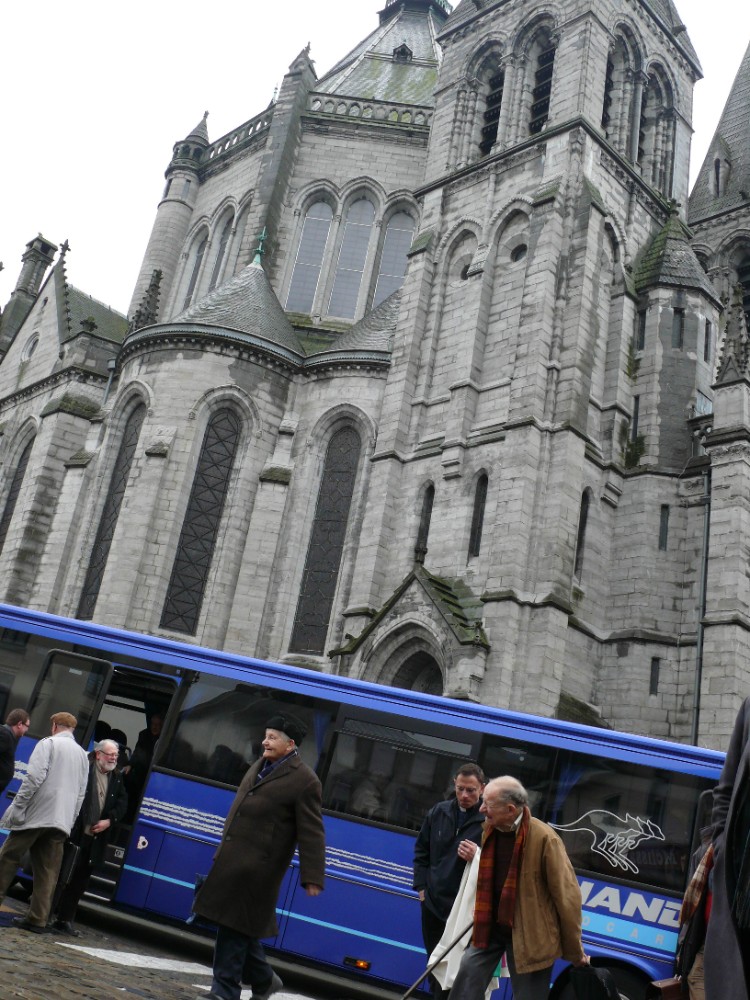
{"points": [[93, 690]]}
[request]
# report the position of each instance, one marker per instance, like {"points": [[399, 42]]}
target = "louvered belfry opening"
{"points": [[492, 112], [542, 88]]}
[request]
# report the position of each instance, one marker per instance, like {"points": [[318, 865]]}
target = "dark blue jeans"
{"points": [[239, 959]]}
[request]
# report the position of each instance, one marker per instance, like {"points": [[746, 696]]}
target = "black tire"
{"points": [[631, 985]]}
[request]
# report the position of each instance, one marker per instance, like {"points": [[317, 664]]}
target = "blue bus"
{"points": [[628, 808]]}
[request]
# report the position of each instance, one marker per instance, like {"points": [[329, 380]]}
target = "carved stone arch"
{"points": [[495, 43], [218, 396], [363, 187], [465, 225], [338, 416], [225, 207], [26, 432], [544, 18], [401, 201], [633, 42], [187, 289], [509, 226], [133, 389], [406, 650], [15, 469], [317, 190]]}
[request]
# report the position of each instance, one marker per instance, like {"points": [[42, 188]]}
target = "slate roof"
{"points": [[200, 132], [731, 142], [374, 332], [370, 72], [670, 261], [110, 324], [247, 304]]}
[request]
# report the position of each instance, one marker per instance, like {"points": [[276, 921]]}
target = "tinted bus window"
{"points": [[69, 683], [390, 775], [531, 765], [619, 819], [222, 723]]}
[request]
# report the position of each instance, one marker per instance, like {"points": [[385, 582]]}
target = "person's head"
{"points": [[119, 737], [504, 800], [63, 722], [155, 724], [283, 734], [468, 785], [18, 721], [105, 755]]}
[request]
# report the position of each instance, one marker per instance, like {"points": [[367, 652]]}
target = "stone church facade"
{"points": [[433, 375]]}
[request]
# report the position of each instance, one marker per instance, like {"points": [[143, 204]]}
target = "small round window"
{"points": [[31, 345], [518, 253]]}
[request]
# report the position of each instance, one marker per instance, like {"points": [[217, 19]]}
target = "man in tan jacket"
{"points": [[528, 903]]}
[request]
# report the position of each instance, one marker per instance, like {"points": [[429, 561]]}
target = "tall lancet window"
{"points": [[398, 236], [477, 520], [542, 89], [198, 253], [492, 108], [326, 546], [583, 517], [226, 232], [352, 259], [309, 259], [15, 489], [195, 549], [110, 514], [425, 516], [743, 276]]}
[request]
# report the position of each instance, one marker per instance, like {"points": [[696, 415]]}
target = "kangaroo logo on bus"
{"points": [[611, 836]]}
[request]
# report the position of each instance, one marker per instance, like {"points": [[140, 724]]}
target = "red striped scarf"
{"points": [[483, 915]]}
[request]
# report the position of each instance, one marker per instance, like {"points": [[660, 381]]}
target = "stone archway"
{"points": [[420, 672]]}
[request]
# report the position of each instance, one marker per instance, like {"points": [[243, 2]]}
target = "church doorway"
{"points": [[420, 672]]}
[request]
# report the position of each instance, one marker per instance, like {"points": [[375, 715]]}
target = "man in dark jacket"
{"points": [[277, 807], [727, 949], [15, 727], [450, 834], [104, 805]]}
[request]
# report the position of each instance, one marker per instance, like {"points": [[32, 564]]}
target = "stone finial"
{"points": [[147, 312], [735, 352]]}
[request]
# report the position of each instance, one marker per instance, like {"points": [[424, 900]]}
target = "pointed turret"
{"points": [[147, 312], [723, 183], [671, 262]]}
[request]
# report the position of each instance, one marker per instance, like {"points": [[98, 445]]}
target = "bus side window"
{"points": [[531, 765]]}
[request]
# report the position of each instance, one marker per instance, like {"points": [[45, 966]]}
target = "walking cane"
{"points": [[437, 962]]}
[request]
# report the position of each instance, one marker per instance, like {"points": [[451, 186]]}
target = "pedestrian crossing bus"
{"points": [[628, 808]]}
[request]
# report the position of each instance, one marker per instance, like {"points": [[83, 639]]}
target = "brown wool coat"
{"points": [[264, 824]]}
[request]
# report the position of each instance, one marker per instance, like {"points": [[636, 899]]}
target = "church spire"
{"points": [[723, 183]]}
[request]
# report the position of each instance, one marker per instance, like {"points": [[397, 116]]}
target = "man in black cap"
{"points": [[277, 807]]}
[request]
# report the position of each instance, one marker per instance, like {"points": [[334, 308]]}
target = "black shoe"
{"points": [[25, 925], [66, 927], [273, 987]]}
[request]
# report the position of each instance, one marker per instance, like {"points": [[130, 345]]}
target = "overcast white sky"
{"points": [[95, 95]]}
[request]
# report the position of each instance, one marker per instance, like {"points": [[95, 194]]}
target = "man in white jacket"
{"points": [[42, 815]]}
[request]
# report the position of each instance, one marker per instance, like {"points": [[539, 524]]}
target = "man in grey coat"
{"points": [[42, 814], [277, 807], [726, 960]]}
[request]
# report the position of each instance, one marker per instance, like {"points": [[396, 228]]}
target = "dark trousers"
{"points": [[432, 930], [45, 847], [478, 966], [238, 959], [67, 897]]}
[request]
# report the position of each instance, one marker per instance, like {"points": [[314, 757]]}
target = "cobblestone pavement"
{"points": [[100, 965]]}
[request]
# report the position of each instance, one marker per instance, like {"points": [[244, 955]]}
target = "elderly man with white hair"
{"points": [[528, 902], [104, 805]]}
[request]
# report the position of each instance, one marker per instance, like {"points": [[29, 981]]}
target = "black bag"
{"points": [[71, 851], [591, 982]]}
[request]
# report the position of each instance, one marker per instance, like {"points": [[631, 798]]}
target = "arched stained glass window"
{"points": [[15, 489], [743, 276], [352, 258], [197, 261], [200, 528], [398, 236], [477, 520], [326, 546], [309, 260], [223, 241], [110, 514]]}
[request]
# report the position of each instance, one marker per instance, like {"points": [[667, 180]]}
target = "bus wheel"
{"points": [[630, 985]]}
